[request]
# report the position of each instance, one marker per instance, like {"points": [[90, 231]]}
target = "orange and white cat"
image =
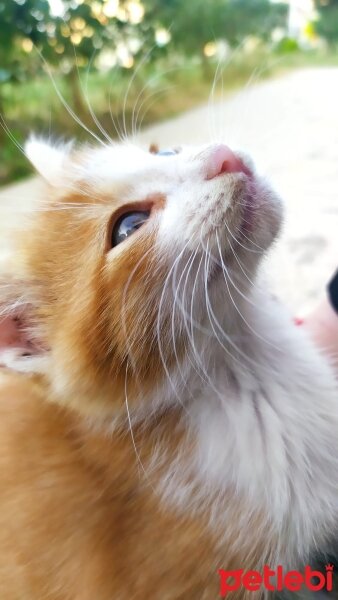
{"points": [[160, 415]]}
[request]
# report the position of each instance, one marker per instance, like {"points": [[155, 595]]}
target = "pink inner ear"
{"points": [[12, 336]]}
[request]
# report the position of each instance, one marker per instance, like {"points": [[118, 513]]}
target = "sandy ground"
{"points": [[290, 126]]}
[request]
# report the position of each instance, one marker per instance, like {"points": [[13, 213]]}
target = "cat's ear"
{"points": [[21, 348], [48, 160]]}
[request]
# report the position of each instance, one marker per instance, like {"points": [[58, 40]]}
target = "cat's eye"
{"points": [[127, 224], [166, 152]]}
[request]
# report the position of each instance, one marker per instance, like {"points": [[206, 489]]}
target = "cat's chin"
{"points": [[262, 215], [256, 231], [263, 210]]}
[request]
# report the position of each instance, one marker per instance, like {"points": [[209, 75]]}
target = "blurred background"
{"points": [[164, 53], [188, 71]]}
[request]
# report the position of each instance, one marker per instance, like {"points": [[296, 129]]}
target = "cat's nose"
{"points": [[221, 159]]}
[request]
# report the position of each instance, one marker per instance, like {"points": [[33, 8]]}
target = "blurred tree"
{"points": [[327, 24], [76, 38], [193, 24], [87, 27], [259, 18], [67, 42], [21, 26]]}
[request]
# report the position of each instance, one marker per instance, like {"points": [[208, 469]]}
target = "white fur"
{"points": [[48, 160], [271, 434]]}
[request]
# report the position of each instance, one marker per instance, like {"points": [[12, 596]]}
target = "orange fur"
{"points": [[84, 314], [79, 522]]}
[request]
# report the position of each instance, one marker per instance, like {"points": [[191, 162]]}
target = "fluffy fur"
{"points": [[169, 419]]}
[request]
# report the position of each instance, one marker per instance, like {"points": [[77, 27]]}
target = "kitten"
{"points": [[161, 415]]}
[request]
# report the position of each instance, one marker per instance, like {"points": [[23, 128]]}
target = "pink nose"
{"points": [[222, 160]]}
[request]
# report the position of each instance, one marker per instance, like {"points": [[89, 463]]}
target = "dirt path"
{"points": [[290, 126]]}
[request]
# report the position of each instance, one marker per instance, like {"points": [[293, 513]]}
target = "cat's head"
{"points": [[128, 264]]}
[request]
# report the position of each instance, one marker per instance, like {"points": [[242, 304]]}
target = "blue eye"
{"points": [[127, 224], [166, 153]]}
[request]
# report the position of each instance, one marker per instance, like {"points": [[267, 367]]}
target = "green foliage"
{"points": [[76, 36], [327, 24], [20, 20], [242, 18], [192, 24], [87, 27], [81, 33], [287, 45]]}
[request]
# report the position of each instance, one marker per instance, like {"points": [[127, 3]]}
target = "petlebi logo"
{"points": [[275, 580]]}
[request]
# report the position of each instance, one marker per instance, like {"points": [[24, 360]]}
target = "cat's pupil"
{"points": [[127, 224]]}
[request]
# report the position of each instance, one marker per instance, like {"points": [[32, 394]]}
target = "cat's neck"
{"points": [[261, 424], [249, 442]]}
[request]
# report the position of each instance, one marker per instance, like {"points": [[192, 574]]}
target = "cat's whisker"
{"points": [[246, 116], [226, 276], [131, 81], [86, 96], [115, 120], [7, 130], [116, 123], [243, 98], [211, 101], [176, 302], [252, 250], [155, 96], [215, 323], [194, 324], [228, 338], [180, 303], [129, 345], [239, 262], [241, 233], [213, 125], [137, 453], [136, 108], [201, 367], [65, 103], [230, 278], [212, 317], [158, 323]]}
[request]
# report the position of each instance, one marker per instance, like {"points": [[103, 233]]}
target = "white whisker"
{"points": [[137, 454], [65, 103]]}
